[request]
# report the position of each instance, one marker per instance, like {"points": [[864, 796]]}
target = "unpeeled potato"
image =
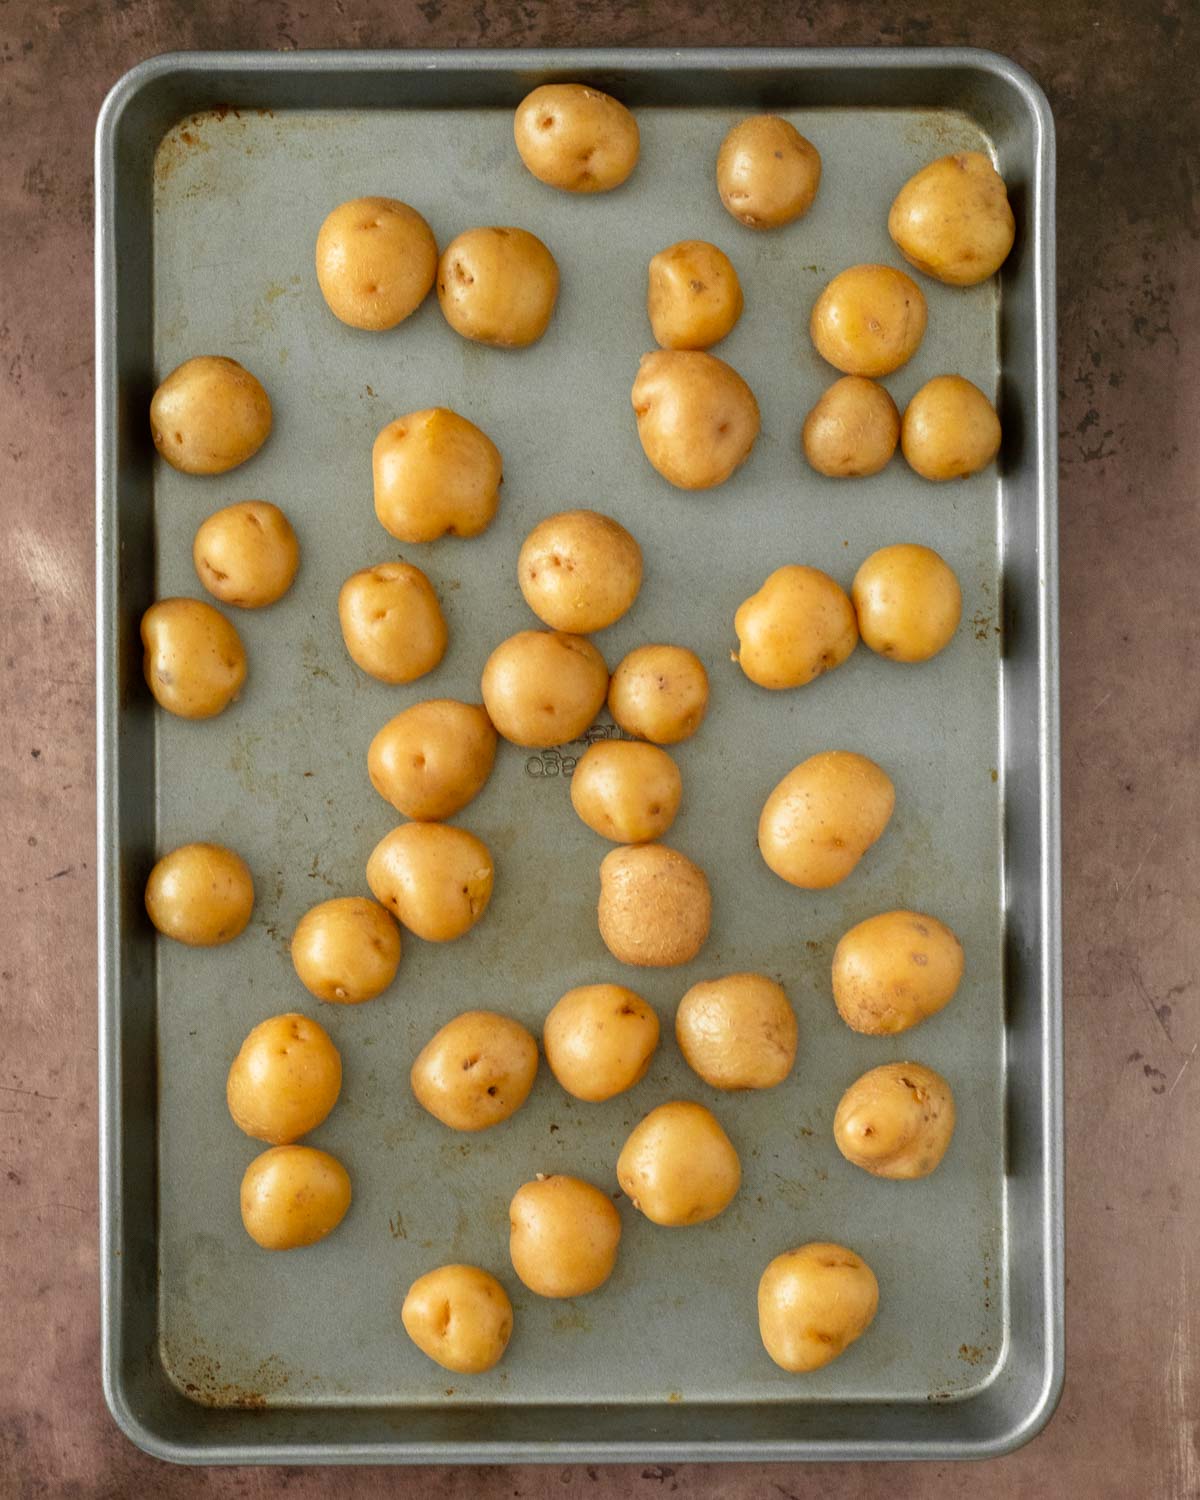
{"points": [[800, 624], [697, 419], [952, 219], [376, 260], [853, 429], [869, 320], [576, 138], [433, 758], [950, 429], [209, 415], [896, 1121], [813, 1302], [823, 817], [436, 474], [655, 906]]}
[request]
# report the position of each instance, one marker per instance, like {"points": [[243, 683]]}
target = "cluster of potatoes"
{"points": [[436, 473]]}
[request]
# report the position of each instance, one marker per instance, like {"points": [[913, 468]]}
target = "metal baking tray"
{"points": [[213, 174]]}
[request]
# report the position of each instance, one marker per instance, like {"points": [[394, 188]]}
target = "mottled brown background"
{"points": [[1122, 78]]}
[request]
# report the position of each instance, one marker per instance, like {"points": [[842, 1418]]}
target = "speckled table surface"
{"points": [[1121, 78]]}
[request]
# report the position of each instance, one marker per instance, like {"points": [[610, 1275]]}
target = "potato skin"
{"points": [[896, 1121], [579, 571], [576, 138], [543, 687], [952, 219], [599, 1040], [693, 295], [346, 950], [476, 1071], [201, 895], [391, 622], [433, 758], [697, 419], [823, 817], [246, 554], [908, 602], [767, 172], [659, 693], [194, 661], [813, 1302], [852, 431], [895, 970], [869, 320], [293, 1196], [737, 1032], [949, 430], [436, 880], [209, 415], [285, 1079], [376, 260], [799, 625], [435, 474], [626, 791], [460, 1316], [678, 1166], [655, 906], [498, 286], [563, 1236]]}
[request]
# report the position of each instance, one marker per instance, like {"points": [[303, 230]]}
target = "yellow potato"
{"points": [[823, 817], [436, 880], [678, 1166], [194, 661], [498, 286], [626, 791], [346, 950], [950, 429], [694, 297], [433, 758], [476, 1071], [563, 1236], [869, 320], [460, 1317], [293, 1196], [896, 1121], [799, 625], [284, 1080], [908, 602], [246, 554], [576, 138], [895, 970], [853, 429], [391, 622], [655, 906], [952, 219], [599, 1039], [200, 895], [376, 260], [767, 172], [436, 474], [659, 693], [209, 415], [543, 688], [813, 1302], [737, 1032], [697, 419], [579, 571]]}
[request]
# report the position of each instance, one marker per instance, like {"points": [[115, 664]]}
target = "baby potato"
{"points": [[246, 554], [626, 791], [694, 297], [950, 429], [869, 320], [200, 894], [476, 1071], [767, 172], [194, 661], [576, 138], [498, 286], [433, 758], [599, 1040], [853, 429], [655, 906], [543, 688], [678, 1166], [908, 602], [293, 1196], [896, 1121], [436, 880], [737, 1032], [952, 219], [436, 474], [895, 970], [346, 950], [391, 622], [460, 1317], [284, 1080], [813, 1302], [799, 625], [697, 419], [823, 817], [563, 1236], [376, 260], [209, 415], [659, 693], [579, 571]]}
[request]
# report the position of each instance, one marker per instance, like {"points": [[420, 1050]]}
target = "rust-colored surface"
{"points": [[1122, 79]]}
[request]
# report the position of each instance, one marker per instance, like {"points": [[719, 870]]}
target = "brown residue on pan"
{"points": [[202, 1380]]}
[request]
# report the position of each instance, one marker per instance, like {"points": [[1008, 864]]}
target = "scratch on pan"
{"points": [[47, 567], [1184, 1461]]}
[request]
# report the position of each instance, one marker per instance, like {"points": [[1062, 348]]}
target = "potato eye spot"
{"points": [[462, 274], [418, 762], [179, 437], [921, 959], [696, 286], [545, 122], [492, 1090], [470, 1062]]}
